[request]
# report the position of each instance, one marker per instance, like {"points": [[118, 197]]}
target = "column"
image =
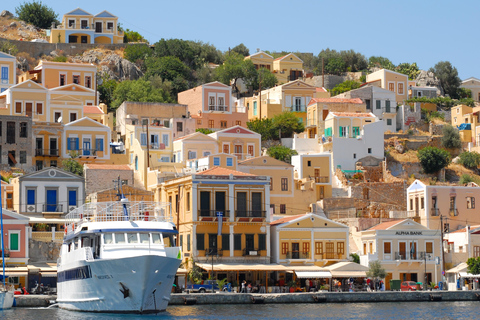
{"points": [[194, 241], [231, 202], [267, 202], [194, 202], [268, 239], [231, 240], [312, 244]]}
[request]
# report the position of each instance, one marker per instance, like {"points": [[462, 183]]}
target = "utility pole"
{"points": [[148, 145], [178, 216], [443, 251]]}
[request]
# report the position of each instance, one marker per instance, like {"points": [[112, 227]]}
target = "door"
{"points": [[402, 250], [204, 203], [413, 250], [212, 243], [387, 281], [98, 27], [329, 250], [256, 204], [416, 206], [220, 202], [51, 201], [241, 204], [249, 242], [295, 250], [238, 151], [14, 241], [9, 200], [39, 147], [325, 114], [84, 39], [53, 147], [86, 146]]}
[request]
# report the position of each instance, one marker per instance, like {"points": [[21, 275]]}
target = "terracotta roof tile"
{"points": [[318, 89], [92, 109], [385, 225], [364, 84], [219, 171], [336, 100], [463, 229], [108, 166], [286, 219], [280, 58], [353, 114]]}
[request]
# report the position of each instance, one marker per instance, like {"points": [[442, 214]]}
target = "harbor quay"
{"points": [[29, 301]]}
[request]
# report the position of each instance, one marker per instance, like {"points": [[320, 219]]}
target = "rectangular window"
{"points": [[53, 163], [216, 161], [72, 144], [306, 248], [422, 203], [181, 240], [179, 126], [30, 196], [14, 240], [370, 245], [429, 247], [72, 197], [284, 247], [226, 148], [378, 104], [400, 88], [57, 116], [283, 208], [251, 151], [23, 156], [341, 247], [143, 139], [318, 247], [62, 79], [4, 76], [387, 106], [369, 150], [387, 247], [237, 242], [271, 183], [255, 111], [110, 25], [284, 184], [238, 122], [200, 241], [211, 124], [99, 144], [452, 205], [229, 162], [23, 129], [199, 122], [88, 81], [188, 201], [18, 107], [262, 241], [356, 132], [367, 102], [76, 79], [391, 86], [343, 131], [470, 202], [39, 107], [225, 241], [223, 124], [188, 242], [192, 155], [11, 132], [389, 122], [73, 117], [165, 140]]}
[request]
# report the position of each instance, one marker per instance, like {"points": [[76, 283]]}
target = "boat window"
{"points": [[69, 247], [156, 238], [85, 242], [75, 243], [132, 238], [144, 238], [107, 238], [119, 237]]}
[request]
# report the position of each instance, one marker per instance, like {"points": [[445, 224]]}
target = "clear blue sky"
{"points": [[421, 31]]}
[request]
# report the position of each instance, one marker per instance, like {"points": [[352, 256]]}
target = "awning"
{"points": [[313, 274], [348, 274], [243, 267], [468, 275], [181, 271], [49, 274]]}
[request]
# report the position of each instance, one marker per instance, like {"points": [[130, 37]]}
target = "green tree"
{"points": [[354, 61], [448, 76], [178, 48], [241, 49], [376, 270], [72, 165], [410, 69], [204, 130], [355, 257], [464, 93], [139, 90], [137, 53], [236, 67], [106, 89], [433, 159], [345, 86], [380, 62], [451, 137], [264, 127], [36, 13], [335, 66], [133, 36], [281, 153], [473, 265], [8, 47], [265, 79], [168, 68], [195, 274], [287, 123], [470, 160]]}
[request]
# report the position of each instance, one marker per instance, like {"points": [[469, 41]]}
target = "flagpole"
{"points": [[3, 242]]}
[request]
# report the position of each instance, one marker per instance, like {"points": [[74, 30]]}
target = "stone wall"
{"points": [[435, 129], [37, 49], [43, 251], [382, 192], [332, 80], [102, 179]]}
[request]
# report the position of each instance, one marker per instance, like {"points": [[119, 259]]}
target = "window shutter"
{"points": [[76, 143]]}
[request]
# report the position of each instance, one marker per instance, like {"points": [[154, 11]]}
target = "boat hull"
{"points": [[135, 284], [6, 299]]}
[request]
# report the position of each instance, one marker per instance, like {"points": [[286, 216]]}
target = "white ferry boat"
{"points": [[118, 257]]}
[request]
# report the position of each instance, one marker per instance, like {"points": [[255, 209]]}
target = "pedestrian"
{"points": [[307, 285], [243, 286]]}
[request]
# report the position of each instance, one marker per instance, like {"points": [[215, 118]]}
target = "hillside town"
{"points": [[282, 182]]}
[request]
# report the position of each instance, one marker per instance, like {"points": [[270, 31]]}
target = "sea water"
{"points": [[381, 310]]}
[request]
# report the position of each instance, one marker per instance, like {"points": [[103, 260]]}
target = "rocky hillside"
{"points": [[13, 29]]}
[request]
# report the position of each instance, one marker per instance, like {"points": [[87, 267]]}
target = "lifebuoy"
{"points": [[146, 215], [73, 226], [65, 230]]}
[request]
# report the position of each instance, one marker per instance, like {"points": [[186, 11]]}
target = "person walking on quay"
{"points": [[243, 286]]}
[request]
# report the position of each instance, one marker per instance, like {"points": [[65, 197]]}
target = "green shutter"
{"points": [[14, 245]]}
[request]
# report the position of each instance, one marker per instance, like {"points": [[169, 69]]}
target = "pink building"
{"points": [[212, 106]]}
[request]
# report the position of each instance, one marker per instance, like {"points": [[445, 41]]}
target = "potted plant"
{"points": [[292, 284]]}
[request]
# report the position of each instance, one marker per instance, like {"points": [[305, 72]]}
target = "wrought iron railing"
{"points": [[250, 213], [297, 255], [47, 152], [212, 213], [251, 252]]}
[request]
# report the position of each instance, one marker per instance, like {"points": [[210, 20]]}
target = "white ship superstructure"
{"points": [[118, 257]]}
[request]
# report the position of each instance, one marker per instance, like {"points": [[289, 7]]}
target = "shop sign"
{"points": [[409, 233]]}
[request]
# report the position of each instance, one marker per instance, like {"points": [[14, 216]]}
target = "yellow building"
{"points": [[293, 96], [318, 109], [466, 119], [288, 194], [317, 169], [288, 68], [405, 248], [261, 60], [193, 146], [79, 26], [242, 198], [473, 84], [391, 80], [8, 69], [241, 142], [308, 239]]}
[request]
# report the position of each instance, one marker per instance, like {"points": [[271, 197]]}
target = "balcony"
{"points": [[435, 212], [213, 252], [55, 207], [217, 108], [319, 179], [211, 215], [250, 252], [86, 153], [243, 156], [454, 212], [311, 123], [250, 214], [417, 256], [89, 27], [294, 255], [297, 108], [46, 152]]}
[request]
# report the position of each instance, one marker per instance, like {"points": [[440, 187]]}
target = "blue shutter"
{"points": [[4, 73], [72, 197], [229, 162], [99, 144], [216, 161], [76, 143], [165, 140], [30, 196], [69, 144], [143, 139]]}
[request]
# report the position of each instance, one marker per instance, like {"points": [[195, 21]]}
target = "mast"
{"points": [[3, 242]]}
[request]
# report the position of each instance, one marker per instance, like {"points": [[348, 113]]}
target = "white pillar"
{"points": [[194, 202], [312, 245], [268, 239], [53, 233], [231, 241], [194, 241], [231, 202]]}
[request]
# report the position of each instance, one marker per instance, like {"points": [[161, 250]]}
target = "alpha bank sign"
{"points": [[409, 233]]}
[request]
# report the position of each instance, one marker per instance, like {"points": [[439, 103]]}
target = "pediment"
{"points": [[50, 173]]}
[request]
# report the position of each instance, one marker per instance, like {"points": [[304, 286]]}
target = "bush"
{"points": [[60, 59], [204, 130], [466, 178], [451, 137], [137, 52], [281, 153], [470, 160], [37, 14], [433, 159]]}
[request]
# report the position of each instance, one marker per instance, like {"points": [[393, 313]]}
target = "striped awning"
{"points": [[313, 274]]}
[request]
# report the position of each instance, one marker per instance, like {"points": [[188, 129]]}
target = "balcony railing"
{"points": [[311, 123], [298, 108], [297, 255], [46, 152], [250, 214], [217, 108], [213, 213], [251, 252], [320, 179], [415, 255], [55, 207], [89, 27], [453, 212], [435, 212], [213, 252]]}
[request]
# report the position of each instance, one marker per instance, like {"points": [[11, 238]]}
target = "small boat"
{"points": [[6, 291], [118, 257]]}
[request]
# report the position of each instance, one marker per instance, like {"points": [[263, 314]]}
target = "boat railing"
{"points": [[88, 254], [172, 252], [118, 211]]}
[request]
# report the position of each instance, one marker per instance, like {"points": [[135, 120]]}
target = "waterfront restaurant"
{"points": [[405, 248]]}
